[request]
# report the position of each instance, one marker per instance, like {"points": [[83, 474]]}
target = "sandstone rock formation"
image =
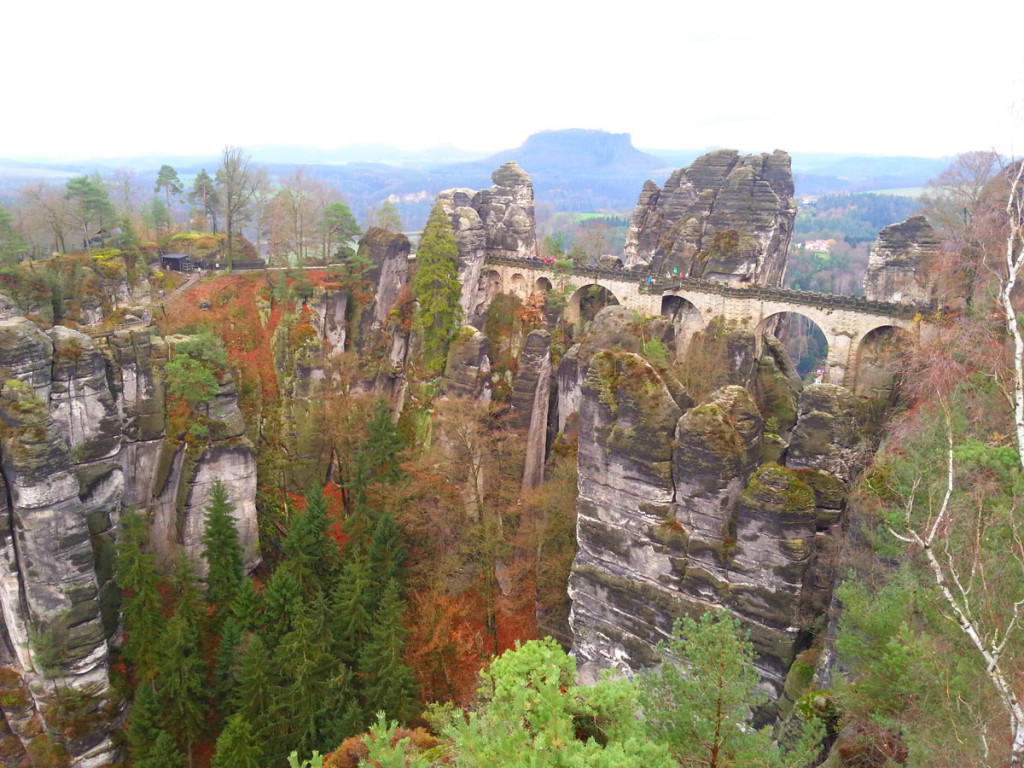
{"points": [[898, 265], [726, 217], [680, 512], [467, 372], [82, 436], [498, 221]]}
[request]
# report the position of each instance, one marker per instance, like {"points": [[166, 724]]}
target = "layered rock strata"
{"points": [[681, 510], [498, 221], [82, 436], [726, 217], [899, 261]]}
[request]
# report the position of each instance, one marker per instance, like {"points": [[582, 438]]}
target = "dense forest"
{"points": [[401, 605]]}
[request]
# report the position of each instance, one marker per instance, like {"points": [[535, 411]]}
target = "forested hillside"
{"points": [[278, 489]]}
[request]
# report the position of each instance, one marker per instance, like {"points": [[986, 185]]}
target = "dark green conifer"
{"points": [[388, 681], [255, 680], [188, 602], [284, 599], [352, 605], [436, 288], [144, 721], [238, 746], [137, 576], [309, 551], [377, 457], [386, 553], [163, 753], [180, 681], [221, 549], [224, 679]]}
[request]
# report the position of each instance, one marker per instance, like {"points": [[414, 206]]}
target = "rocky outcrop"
{"points": [[82, 436], [898, 265], [726, 217], [530, 401], [682, 509], [467, 372], [498, 221]]}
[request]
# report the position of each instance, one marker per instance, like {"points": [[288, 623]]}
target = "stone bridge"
{"points": [[847, 322]]}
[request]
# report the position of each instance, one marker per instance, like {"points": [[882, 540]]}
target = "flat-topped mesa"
{"points": [[491, 222], [898, 266], [726, 217]]}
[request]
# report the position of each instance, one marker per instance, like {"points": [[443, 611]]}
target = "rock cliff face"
{"points": [[726, 217], [897, 266], [497, 221], [81, 438], [685, 508]]}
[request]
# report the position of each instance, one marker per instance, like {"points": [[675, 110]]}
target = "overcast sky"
{"points": [[115, 78]]}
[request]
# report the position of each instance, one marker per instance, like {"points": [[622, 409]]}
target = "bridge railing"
{"points": [[662, 285]]}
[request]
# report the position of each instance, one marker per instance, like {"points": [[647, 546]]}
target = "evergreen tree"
{"points": [[221, 549], [437, 290], [309, 552], [386, 553], [230, 638], [238, 746], [143, 721], [388, 681], [204, 195], [307, 670], [188, 603], [180, 681], [699, 702], [137, 576], [247, 607], [255, 682], [284, 600], [352, 602], [377, 457], [12, 244], [162, 754], [167, 180], [92, 210]]}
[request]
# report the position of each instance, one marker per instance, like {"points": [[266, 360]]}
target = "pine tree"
{"points": [[137, 576], [386, 553], [221, 549], [437, 290], [388, 680], [238, 746], [254, 683], [352, 602], [377, 457], [180, 681], [247, 607], [284, 600], [143, 721], [188, 603], [162, 754], [307, 668], [309, 552], [224, 680]]}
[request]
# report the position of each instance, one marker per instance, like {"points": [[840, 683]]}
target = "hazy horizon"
{"points": [[119, 79]]}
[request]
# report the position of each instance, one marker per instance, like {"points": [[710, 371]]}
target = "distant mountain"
{"points": [[578, 151], [573, 170]]}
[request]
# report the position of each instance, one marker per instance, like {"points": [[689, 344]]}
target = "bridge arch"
{"points": [[542, 285], [685, 316], [586, 301], [878, 352], [809, 348], [518, 286]]}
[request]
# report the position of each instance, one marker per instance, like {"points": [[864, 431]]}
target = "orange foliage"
{"points": [[353, 750]]}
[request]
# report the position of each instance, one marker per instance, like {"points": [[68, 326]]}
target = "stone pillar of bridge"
{"points": [[838, 362]]}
